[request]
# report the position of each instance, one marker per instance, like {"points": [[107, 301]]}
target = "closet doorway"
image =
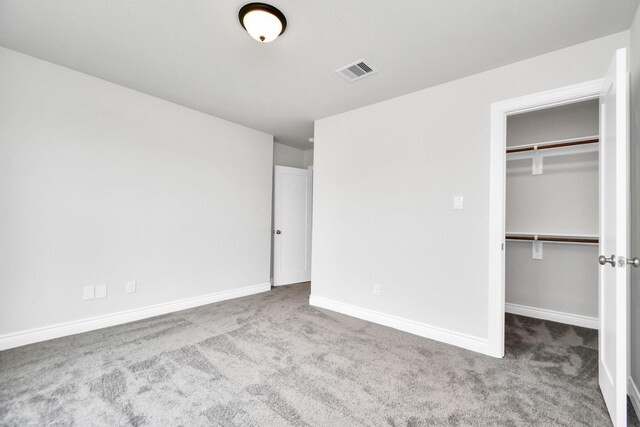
{"points": [[552, 214], [557, 230]]}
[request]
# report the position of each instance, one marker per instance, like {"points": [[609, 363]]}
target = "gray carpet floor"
{"points": [[272, 360]]}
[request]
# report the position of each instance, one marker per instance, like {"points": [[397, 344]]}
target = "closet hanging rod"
{"points": [[545, 146], [553, 239]]}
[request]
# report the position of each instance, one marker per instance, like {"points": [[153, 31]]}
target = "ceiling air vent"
{"points": [[356, 71]]}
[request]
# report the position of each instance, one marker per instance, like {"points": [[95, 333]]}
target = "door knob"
{"points": [[278, 232], [604, 260], [634, 261]]}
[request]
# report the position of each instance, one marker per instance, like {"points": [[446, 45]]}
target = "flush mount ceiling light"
{"points": [[262, 21]]}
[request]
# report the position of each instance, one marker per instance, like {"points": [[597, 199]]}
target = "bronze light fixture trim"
{"points": [[262, 21]]}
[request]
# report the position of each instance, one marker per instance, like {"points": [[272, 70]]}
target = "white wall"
{"points": [[100, 184], [283, 155], [308, 158], [563, 281], [551, 124], [635, 203], [563, 200], [384, 181]]}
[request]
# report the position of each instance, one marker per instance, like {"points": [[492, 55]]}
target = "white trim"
{"points": [[468, 342], [45, 333], [634, 395], [499, 113], [554, 316]]}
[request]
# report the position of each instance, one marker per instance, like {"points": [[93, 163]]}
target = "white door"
{"points": [[614, 245], [292, 225]]}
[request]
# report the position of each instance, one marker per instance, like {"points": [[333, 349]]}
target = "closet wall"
{"points": [[284, 155], [562, 200]]}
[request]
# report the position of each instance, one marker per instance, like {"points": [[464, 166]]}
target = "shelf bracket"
{"points": [[536, 162], [536, 247]]}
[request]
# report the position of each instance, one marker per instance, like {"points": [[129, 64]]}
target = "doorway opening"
{"points": [[292, 219], [501, 114], [552, 214], [612, 95], [552, 242]]}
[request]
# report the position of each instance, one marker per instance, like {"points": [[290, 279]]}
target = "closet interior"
{"points": [[552, 214]]}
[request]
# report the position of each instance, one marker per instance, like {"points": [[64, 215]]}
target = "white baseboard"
{"points": [[30, 336], [468, 342], [554, 316], [634, 395]]}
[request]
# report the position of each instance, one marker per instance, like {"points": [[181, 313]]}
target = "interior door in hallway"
{"points": [[614, 232], [292, 225]]}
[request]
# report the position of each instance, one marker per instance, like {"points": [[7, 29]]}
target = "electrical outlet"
{"points": [[131, 287], [101, 291], [377, 289], [88, 293]]}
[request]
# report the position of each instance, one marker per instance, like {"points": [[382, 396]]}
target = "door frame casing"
{"points": [[497, 181]]}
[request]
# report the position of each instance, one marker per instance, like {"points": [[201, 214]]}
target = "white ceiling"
{"points": [[195, 53]]}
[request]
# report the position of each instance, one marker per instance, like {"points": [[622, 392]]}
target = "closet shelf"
{"points": [[537, 152], [549, 238], [563, 143]]}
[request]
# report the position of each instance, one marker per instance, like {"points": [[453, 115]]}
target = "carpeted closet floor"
{"points": [[273, 360]]}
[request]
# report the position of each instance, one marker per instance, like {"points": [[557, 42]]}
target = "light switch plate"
{"points": [[458, 202], [88, 293], [101, 291], [131, 287], [377, 289]]}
